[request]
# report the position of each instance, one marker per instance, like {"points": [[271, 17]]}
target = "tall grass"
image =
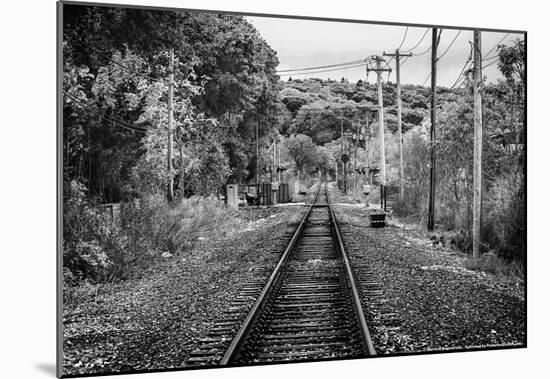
{"points": [[98, 249], [490, 262]]}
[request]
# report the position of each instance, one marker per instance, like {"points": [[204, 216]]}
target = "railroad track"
{"points": [[309, 308]]}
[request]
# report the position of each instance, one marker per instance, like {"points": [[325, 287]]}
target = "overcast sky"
{"points": [[304, 43]]}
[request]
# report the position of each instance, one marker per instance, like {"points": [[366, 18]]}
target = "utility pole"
{"points": [[274, 146], [342, 144], [257, 155], [397, 56], [357, 131], [279, 164], [170, 131], [478, 143], [367, 148], [431, 206], [379, 70]]}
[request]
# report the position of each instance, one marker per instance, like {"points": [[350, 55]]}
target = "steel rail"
{"points": [[361, 321], [236, 344]]}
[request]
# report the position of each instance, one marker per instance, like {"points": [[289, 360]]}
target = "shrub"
{"points": [[155, 225], [97, 248], [490, 262], [506, 213], [91, 244]]}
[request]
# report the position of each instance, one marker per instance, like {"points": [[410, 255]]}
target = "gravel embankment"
{"points": [[435, 303], [154, 322]]}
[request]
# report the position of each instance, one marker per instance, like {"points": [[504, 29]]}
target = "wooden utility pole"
{"points": [[367, 148], [257, 155], [274, 146], [478, 144], [342, 145], [431, 204], [397, 56], [279, 164], [357, 132], [379, 70], [170, 153]]}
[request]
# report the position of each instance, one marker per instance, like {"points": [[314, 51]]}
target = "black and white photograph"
{"points": [[242, 189]]}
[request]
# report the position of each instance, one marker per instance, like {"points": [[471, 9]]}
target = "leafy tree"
{"points": [[308, 157]]}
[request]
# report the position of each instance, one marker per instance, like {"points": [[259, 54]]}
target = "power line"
{"points": [[115, 121], [494, 47], [424, 52], [425, 80], [437, 40], [491, 58], [490, 64], [451, 44], [338, 109], [461, 82], [419, 42], [135, 72], [321, 67], [100, 53], [460, 77], [404, 60], [491, 61], [105, 56], [321, 71], [404, 37]]}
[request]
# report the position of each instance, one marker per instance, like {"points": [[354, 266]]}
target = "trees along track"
{"points": [[309, 308]]}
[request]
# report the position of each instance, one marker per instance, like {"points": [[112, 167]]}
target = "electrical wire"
{"points": [[489, 64], [490, 58], [135, 72], [491, 61], [404, 37], [464, 67], [461, 82], [425, 80], [424, 52], [494, 47], [321, 67], [105, 56], [393, 57], [451, 44], [346, 107], [321, 71], [419, 42], [460, 77], [115, 121]]}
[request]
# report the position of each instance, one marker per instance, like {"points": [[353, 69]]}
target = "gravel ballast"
{"points": [[154, 322], [435, 303]]}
